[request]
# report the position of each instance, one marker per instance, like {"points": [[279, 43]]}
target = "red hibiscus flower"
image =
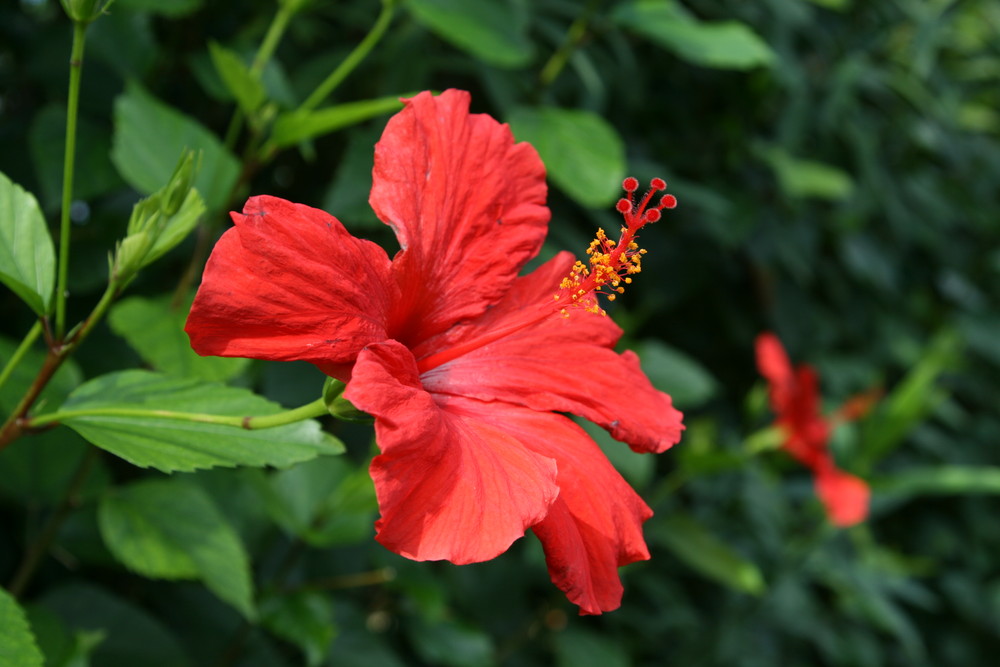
{"points": [[466, 366], [795, 400]]}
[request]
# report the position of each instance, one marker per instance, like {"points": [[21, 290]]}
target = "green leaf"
{"points": [[326, 501], [171, 8], [131, 636], [175, 445], [451, 643], [245, 87], [577, 647], [297, 126], [156, 331], [305, 619], [148, 139], [838, 5], [17, 643], [27, 256], [670, 370], [910, 401], [582, 153], [171, 529], [720, 44], [941, 480], [706, 554], [493, 31], [807, 178]]}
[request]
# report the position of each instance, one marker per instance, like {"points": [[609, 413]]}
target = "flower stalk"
{"points": [[69, 157]]}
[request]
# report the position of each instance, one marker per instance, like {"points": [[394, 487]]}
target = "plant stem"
{"points": [[574, 36], [315, 409], [58, 353], [19, 353], [353, 58], [72, 107], [274, 33], [40, 546]]}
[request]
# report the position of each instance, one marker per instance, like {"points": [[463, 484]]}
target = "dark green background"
{"points": [[837, 166]]}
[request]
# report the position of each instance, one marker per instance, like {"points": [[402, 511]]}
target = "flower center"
{"points": [[611, 262]]}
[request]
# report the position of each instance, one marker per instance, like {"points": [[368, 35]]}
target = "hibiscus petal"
{"points": [[845, 496], [556, 363], [288, 282], [467, 204], [774, 364], [450, 486], [595, 525]]}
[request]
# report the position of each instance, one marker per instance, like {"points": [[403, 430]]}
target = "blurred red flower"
{"points": [[795, 400], [466, 366]]}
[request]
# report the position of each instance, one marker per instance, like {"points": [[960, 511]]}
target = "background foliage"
{"points": [[836, 164]]}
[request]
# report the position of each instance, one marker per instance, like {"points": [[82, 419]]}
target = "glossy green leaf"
{"points": [[721, 44], [706, 554], [155, 330], [583, 155], [148, 138], [244, 86], [171, 529], [27, 256], [17, 643], [808, 178], [494, 31], [304, 619], [297, 126], [176, 445], [670, 370]]}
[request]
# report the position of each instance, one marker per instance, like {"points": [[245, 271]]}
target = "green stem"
{"points": [[274, 33], [58, 353], [315, 409], [353, 58], [21, 350], [72, 107], [574, 36]]}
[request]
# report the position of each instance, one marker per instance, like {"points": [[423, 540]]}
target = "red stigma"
{"points": [[637, 215]]}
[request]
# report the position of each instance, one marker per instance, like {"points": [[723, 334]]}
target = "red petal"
{"points": [[844, 496], [555, 363], [468, 207], [595, 525], [288, 282], [774, 365], [451, 485]]}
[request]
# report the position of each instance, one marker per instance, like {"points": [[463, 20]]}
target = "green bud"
{"points": [[144, 213], [340, 407], [130, 256], [85, 11], [176, 190]]}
